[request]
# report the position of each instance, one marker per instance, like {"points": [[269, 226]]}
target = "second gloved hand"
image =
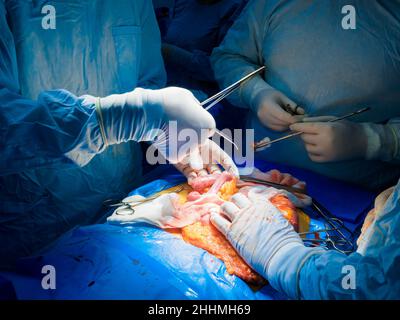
{"points": [[160, 116], [264, 238], [270, 108], [332, 141]]}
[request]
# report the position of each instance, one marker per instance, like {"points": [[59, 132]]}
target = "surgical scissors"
{"points": [[127, 205], [336, 234], [328, 240]]}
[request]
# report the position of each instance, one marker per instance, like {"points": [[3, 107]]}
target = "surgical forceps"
{"points": [[213, 100], [335, 235]]}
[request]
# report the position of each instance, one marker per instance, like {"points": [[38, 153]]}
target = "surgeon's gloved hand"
{"points": [[270, 106], [206, 160], [162, 212], [264, 238], [160, 116], [332, 141]]}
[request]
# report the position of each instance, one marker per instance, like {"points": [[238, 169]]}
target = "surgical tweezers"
{"points": [[213, 100]]}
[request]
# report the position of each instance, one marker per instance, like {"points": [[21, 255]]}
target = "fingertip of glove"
{"points": [[234, 171]]}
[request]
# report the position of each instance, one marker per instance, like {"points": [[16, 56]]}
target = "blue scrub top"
{"points": [[198, 28]]}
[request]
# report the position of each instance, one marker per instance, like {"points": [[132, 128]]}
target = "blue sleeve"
{"points": [[374, 274], [329, 276], [197, 63], [152, 73], [57, 128], [200, 66], [200, 62], [230, 17]]}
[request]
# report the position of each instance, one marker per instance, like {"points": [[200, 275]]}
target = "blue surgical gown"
{"points": [[55, 171], [321, 66], [198, 28], [374, 269]]}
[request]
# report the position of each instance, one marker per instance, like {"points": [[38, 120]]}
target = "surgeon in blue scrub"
{"points": [[76, 97], [194, 29], [322, 58]]}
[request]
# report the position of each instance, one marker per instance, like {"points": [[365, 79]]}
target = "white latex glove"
{"points": [[299, 200], [332, 141], [270, 109], [264, 238], [204, 160], [146, 115], [161, 212]]}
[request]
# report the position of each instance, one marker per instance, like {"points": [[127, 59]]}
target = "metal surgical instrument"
{"points": [[213, 100], [263, 144]]}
